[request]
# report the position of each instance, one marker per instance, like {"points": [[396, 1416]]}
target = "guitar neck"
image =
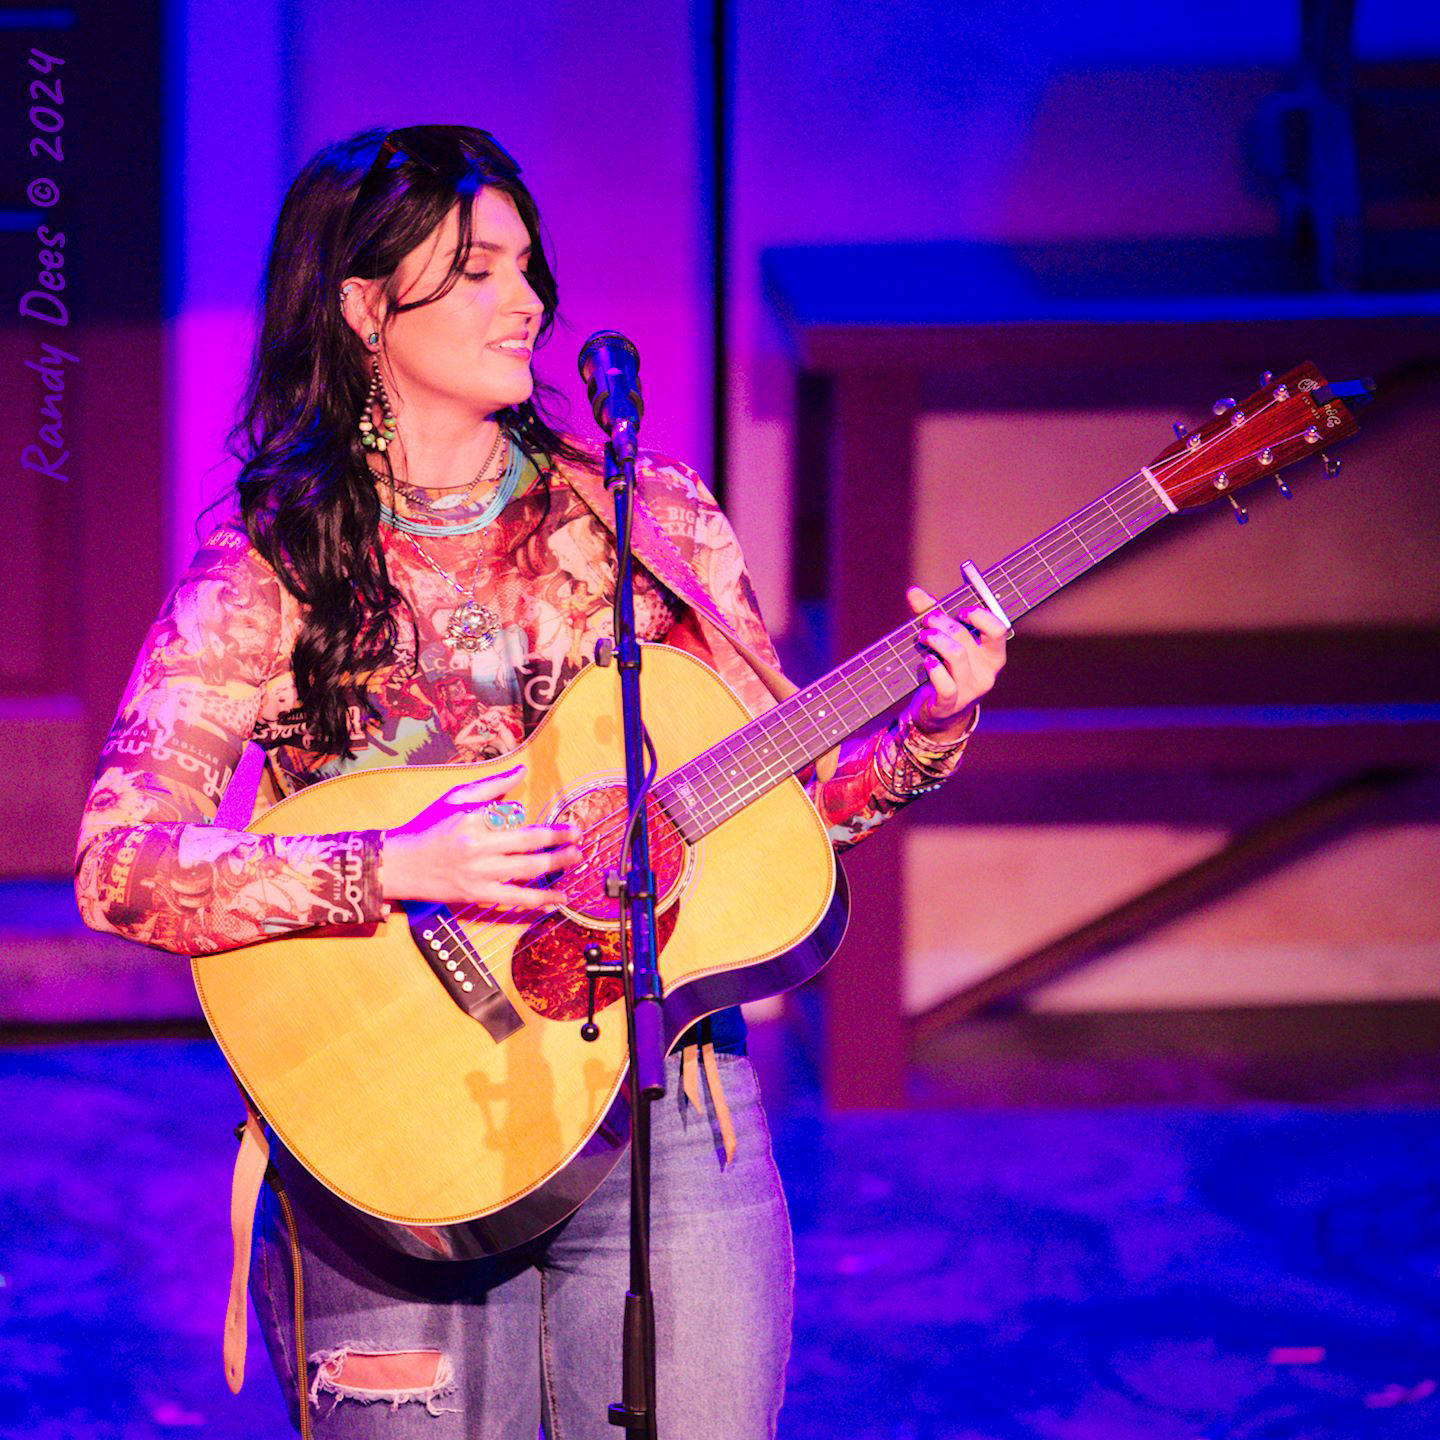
{"points": [[706, 791]]}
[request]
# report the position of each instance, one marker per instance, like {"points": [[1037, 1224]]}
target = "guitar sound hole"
{"points": [[549, 965], [600, 814]]}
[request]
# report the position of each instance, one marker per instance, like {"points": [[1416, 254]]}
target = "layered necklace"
{"points": [[436, 503], [473, 626]]}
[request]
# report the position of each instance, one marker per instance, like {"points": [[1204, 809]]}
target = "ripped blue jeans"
{"points": [[493, 1349]]}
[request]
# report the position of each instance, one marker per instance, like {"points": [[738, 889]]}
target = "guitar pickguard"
{"points": [[549, 964]]}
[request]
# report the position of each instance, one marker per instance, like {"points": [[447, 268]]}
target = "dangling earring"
{"points": [[369, 438]]}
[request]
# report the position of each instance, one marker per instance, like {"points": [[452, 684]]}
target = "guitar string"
{"points": [[882, 664], [576, 896], [1089, 522], [1183, 457], [610, 828], [885, 652], [579, 898], [595, 838], [1061, 540], [1057, 550], [1074, 531]]}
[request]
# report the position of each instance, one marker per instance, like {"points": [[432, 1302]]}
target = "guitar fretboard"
{"points": [[708, 790]]}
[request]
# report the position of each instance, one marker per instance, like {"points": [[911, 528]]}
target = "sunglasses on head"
{"points": [[444, 150]]}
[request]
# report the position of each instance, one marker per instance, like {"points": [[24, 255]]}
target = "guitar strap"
{"points": [[662, 558], [251, 1162], [252, 1170]]}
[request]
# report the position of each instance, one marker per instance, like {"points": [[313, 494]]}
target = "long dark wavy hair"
{"points": [[306, 498]]}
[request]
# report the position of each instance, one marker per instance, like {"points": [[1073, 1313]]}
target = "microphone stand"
{"points": [[640, 976]]}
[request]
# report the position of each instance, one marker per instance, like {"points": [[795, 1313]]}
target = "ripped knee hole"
{"points": [[392, 1376]]}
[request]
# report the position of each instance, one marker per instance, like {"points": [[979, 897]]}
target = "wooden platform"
{"points": [[882, 334]]}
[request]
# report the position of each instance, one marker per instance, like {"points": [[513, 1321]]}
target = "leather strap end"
{"points": [[690, 1075], [251, 1162], [722, 1106]]}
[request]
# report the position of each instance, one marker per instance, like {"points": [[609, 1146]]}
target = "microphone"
{"points": [[610, 367]]}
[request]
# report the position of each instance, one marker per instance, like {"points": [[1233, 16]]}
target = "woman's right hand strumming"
{"points": [[451, 852]]}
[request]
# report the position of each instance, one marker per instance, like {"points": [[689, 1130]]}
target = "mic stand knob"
{"points": [[597, 968]]}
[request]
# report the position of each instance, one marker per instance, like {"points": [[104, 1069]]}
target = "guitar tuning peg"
{"points": [[1282, 486], [1181, 430], [1266, 376], [1242, 515], [1332, 466], [1222, 405]]}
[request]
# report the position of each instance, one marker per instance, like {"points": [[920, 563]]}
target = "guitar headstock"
{"points": [[1292, 416]]}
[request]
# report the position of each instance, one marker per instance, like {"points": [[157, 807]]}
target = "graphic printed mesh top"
{"points": [[214, 674]]}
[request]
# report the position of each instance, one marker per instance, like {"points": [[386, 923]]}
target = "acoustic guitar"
{"points": [[430, 1070]]}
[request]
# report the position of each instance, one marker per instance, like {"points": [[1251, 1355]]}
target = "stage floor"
{"points": [[1096, 1274]]}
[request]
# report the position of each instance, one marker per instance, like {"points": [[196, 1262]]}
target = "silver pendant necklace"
{"points": [[473, 626]]}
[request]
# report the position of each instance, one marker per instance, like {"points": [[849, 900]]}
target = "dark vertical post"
{"points": [[810, 494], [870, 526], [1327, 45], [721, 95]]}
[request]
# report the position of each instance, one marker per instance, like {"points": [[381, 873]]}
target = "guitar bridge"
{"points": [[461, 969]]}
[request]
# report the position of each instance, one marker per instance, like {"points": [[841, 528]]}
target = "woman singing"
{"points": [[410, 577]]}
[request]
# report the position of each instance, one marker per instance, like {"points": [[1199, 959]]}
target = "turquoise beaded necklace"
{"points": [[509, 484]]}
